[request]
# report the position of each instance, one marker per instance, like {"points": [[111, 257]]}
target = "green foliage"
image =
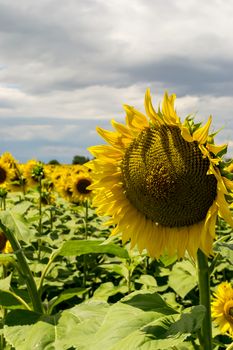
{"points": [[140, 321], [97, 293], [80, 160], [54, 162]]}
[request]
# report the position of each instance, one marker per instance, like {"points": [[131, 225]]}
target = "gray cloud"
{"points": [[78, 61]]}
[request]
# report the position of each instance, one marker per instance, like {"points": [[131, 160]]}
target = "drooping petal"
{"points": [[202, 133]]}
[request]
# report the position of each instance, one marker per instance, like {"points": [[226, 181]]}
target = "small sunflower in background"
{"points": [[5, 172], [5, 246], [222, 308], [8, 248], [76, 169], [17, 181], [34, 172], [63, 187], [56, 176], [9, 160], [79, 187], [160, 181]]}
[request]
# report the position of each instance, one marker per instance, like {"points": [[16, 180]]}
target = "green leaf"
{"points": [[108, 289], [22, 207], [38, 336], [183, 278], [147, 281], [7, 300], [168, 260], [226, 250], [119, 269], [142, 321], [27, 330], [66, 295], [6, 259], [21, 317], [189, 322], [148, 302], [16, 223], [128, 325], [5, 283], [78, 247]]}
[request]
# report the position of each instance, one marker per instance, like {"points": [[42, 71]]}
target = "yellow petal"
{"points": [[228, 183], [150, 111], [224, 210], [135, 119], [121, 128], [186, 134], [201, 133], [168, 110], [215, 148]]}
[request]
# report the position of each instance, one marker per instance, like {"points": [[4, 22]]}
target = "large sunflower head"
{"points": [[160, 181], [222, 308]]}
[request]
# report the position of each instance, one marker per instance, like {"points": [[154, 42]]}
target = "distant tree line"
{"points": [[76, 160]]}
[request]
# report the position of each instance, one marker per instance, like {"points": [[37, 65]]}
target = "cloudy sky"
{"points": [[68, 66]]}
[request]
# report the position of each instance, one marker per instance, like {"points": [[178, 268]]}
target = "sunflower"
{"points": [[34, 172], [8, 248], [7, 158], [63, 186], [160, 181], [79, 187], [222, 308], [17, 181], [3, 241], [5, 172]]}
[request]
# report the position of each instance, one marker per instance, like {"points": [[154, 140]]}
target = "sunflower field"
{"points": [[132, 250]]}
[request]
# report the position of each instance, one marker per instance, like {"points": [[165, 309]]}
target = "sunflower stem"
{"points": [[204, 299], [25, 270], [4, 312], [46, 269], [86, 237], [40, 218]]}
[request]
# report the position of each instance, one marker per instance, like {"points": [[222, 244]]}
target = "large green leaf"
{"points": [[183, 278], [119, 269], [6, 259], [66, 295], [78, 247], [22, 207], [142, 324], [16, 223], [226, 250], [129, 325], [27, 330], [147, 301], [5, 283], [189, 322], [108, 289], [8, 300]]}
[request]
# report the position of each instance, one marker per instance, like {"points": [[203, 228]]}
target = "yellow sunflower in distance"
{"points": [[222, 308], [160, 181], [5, 172], [80, 187]]}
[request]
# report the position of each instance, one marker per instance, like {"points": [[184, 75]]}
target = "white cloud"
{"points": [[30, 132], [83, 59]]}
